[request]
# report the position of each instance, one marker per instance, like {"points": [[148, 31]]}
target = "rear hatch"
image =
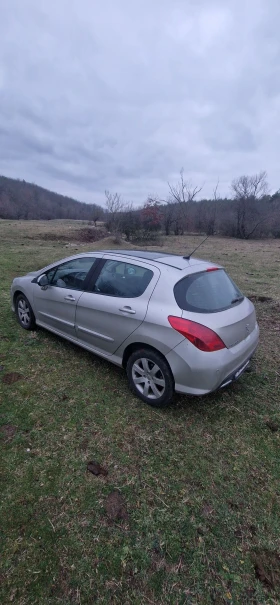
{"points": [[212, 299]]}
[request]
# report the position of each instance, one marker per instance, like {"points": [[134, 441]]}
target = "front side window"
{"points": [[71, 274], [121, 279], [207, 292]]}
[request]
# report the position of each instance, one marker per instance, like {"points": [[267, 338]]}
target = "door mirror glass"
{"points": [[43, 281]]}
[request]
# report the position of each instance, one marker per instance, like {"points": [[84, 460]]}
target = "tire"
{"points": [[157, 385], [25, 315]]}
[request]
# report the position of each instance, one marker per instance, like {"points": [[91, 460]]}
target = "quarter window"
{"points": [[121, 279]]}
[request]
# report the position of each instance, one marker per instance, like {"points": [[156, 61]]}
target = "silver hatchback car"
{"points": [[174, 323]]}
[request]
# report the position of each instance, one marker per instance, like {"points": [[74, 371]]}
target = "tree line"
{"points": [[250, 210]]}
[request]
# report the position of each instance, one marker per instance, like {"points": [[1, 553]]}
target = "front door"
{"points": [[116, 306], [55, 305]]}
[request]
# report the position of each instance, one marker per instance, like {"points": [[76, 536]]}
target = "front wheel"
{"points": [[150, 378], [24, 313]]}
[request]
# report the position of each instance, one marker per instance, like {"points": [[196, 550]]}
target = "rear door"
{"points": [[116, 304], [55, 304], [212, 299]]}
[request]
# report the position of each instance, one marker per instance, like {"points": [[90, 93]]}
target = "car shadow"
{"points": [[182, 406]]}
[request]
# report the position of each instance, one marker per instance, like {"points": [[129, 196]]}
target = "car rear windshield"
{"points": [[207, 292]]}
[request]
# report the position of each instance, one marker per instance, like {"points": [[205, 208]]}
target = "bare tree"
{"points": [[184, 191], [96, 213], [175, 211], [168, 211], [253, 187], [168, 216], [247, 190], [212, 211], [130, 223], [114, 207], [180, 194], [113, 202]]}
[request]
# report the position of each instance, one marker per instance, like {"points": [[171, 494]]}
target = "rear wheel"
{"points": [[150, 378], [24, 313]]}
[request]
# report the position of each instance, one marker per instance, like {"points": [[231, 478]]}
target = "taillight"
{"points": [[212, 269], [200, 336]]}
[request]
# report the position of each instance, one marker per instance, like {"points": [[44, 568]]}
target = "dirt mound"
{"points": [[267, 568], [262, 299], [90, 234], [86, 234]]}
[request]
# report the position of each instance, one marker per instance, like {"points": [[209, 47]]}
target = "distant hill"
{"points": [[22, 200]]}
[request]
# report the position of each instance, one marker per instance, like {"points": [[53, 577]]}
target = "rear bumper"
{"points": [[199, 373], [235, 375]]}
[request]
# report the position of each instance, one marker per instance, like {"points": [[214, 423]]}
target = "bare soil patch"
{"points": [[8, 430], [115, 507], [267, 568], [96, 469], [11, 378], [262, 299], [273, 426]]}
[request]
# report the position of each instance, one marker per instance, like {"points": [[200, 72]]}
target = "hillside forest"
{"points": [[250, 211]]}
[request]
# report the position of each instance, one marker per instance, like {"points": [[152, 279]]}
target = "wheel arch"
{"points": [[134, 346], [30, 324], [16, 294]]}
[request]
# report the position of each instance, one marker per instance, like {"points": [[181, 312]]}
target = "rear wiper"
{"points": [[237, 299]]}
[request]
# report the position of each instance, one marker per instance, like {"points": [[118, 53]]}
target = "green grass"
{"points": [[200, 480]]}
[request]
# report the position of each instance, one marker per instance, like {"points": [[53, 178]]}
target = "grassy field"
{"points": [[188, 511]]}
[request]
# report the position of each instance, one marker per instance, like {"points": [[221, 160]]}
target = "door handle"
{"points": [[127, 310], [69, 297]]}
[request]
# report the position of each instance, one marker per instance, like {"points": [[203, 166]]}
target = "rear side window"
{"points": [[207, 292], [121, 279]]}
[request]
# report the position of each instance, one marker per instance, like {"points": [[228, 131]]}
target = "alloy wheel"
{"points": [[148, 378], [23, 310]]}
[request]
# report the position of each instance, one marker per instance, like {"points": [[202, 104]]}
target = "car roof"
{"points": [[165, 258], [147, 254]]}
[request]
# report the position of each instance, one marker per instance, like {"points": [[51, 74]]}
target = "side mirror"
{"points": [[43, 281]]}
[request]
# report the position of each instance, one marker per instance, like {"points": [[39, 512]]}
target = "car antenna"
{"points": [[189, 255]]}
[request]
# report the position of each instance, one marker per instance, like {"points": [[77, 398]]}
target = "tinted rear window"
{"points": [[207, 292]]}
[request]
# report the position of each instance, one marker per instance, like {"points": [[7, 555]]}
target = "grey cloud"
{"points": [[225, 135], [122, 95], [64, 174], [18, 145]]}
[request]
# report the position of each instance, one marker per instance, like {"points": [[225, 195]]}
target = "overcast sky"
{"points": [[120, 94]]}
